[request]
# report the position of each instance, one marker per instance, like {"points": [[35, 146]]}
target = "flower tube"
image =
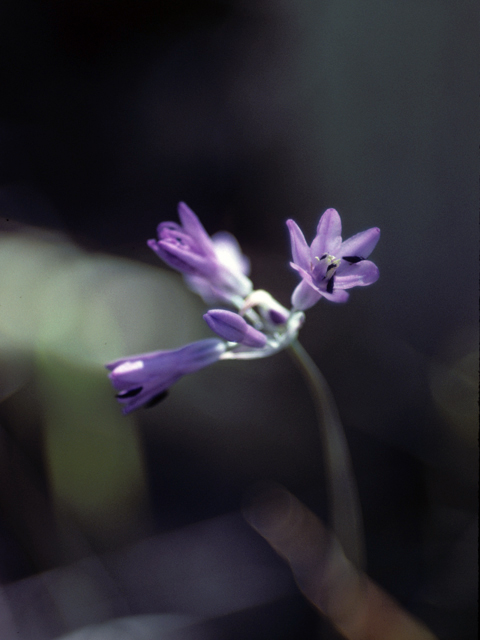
{"points": [[144, 379]]}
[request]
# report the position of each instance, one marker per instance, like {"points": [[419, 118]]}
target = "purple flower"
{"points": [[329, 266], [145, 379], [234, 328], [213, 267]]}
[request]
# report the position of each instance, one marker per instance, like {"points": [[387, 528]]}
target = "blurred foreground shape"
{"points": [[357, 607]]}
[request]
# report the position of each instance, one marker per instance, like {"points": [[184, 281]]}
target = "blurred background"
{"points": [[252, 112]]}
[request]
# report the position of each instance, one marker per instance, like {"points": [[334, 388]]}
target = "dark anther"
{"points": [[156, 399], [276, 317], [353, 259], [129, 394], [324, 256], [330, 285], [331, 266]]}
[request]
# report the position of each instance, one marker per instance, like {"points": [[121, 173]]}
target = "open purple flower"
{"points": [[213, 267], [329, 266], [144, 379]]}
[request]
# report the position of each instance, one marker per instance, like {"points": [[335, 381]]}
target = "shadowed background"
{"points": [[252, 112]]}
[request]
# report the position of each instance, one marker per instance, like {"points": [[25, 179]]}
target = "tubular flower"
{"points": [[145, 379], [213, 267], [329, 266]]}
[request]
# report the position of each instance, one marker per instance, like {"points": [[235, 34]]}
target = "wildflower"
{"points": [[213, 267], [216, 269], [145, 379], [329, 266]]}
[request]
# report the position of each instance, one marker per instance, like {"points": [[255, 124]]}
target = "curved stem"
{"points": [[342, 490]]}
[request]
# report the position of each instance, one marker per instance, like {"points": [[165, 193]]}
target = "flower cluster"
{"points": [[258, 326]]}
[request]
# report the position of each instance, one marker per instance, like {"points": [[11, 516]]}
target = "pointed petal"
{"points": [[361, 245], [300, 249], [227, 324], [306, 275], [254, 338], [337, 295], [184, 260], [229, 253], [169, 229], [329, 234], [232, 327], [204, 288], [195, 229], [356, 275], [304, 296]]}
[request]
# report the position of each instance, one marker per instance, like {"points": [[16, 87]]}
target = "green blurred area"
{"points": [[64, 314]]}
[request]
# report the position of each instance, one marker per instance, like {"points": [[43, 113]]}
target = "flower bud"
{"points": [[234, 328]]}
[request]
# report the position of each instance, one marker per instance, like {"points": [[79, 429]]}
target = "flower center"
{"points": [[325, 266], [324, 269]]}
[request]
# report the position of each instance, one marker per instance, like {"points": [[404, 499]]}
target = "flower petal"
{"points": [[356, 275], [214, 267], [274, 343], [195, 229], [229, 254], [361, 245], [306, 275], [184, 260], [329, 234], [232, 327], [305, 296], [126, 373], [300, 249], [337, 295]]}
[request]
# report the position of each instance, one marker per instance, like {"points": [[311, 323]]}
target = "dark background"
{"points": [[253, 112]]}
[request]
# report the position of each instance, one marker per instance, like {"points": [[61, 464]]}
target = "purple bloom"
{"points": [[145, 379], [234, 328], [213, 267], [329, 266]]}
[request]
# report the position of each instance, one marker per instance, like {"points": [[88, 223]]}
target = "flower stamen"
{"points": [[353, 259], [325, 269]]}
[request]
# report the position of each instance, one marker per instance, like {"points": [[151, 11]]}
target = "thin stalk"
{"points": [[346, 517]]}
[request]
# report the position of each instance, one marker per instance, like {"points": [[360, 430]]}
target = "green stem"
{"points": [[343, 497]]}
